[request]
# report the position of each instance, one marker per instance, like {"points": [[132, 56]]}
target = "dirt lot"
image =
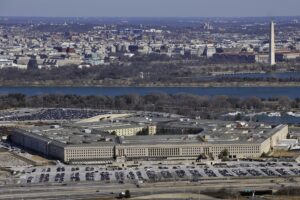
{"points": [[9, 160]]}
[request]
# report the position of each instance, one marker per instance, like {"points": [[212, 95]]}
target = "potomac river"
{"points": [[262, 92]]}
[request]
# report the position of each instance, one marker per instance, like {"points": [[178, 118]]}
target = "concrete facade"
{"points": [[131, 130], [144, 149]]}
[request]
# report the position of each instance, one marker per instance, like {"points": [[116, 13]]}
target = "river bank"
{"points": [[143, 85]]}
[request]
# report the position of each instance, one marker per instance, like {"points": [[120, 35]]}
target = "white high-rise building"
{"points": [[272, 45]]}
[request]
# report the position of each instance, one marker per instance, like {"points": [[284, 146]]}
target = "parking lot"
{"points": [[157, 173], [49, 114]]}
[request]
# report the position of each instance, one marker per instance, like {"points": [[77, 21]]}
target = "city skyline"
{"points": [[142, 8]]}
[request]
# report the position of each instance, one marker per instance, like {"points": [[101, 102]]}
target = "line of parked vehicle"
{"points": [[50, 114], [63, 174]]}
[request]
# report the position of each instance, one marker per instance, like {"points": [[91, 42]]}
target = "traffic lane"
{"points": [[146, 189]]}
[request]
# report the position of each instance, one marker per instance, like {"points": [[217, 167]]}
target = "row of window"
{"points": [[127, 132], [163, 151], [81, 153], [237, 149], [191, 150], [185, 151], [87, 157]]}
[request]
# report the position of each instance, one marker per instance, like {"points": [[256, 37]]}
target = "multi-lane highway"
{"points": [[90, 190]]}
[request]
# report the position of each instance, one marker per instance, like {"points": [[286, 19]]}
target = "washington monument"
{"points": [[272, 45]]}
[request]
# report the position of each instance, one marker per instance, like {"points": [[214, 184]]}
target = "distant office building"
{"points": [[235, 57], [32, 64], [284, 56], [5, 63], [262, 58], [298, 46], [272, 45], [208, 26], [209, 51]]}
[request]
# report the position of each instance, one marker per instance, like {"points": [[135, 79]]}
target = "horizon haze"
{"points": [[145, 8]]}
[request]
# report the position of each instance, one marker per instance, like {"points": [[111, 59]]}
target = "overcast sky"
{"points": [[150, 8]]}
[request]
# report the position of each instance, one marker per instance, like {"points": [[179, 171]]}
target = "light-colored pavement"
{"points": [[94, 190]]}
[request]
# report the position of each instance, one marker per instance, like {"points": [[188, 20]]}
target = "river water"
{"points": [[262, 92]]}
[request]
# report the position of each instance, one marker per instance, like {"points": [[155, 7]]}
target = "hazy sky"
{"points": [[150, 8]]}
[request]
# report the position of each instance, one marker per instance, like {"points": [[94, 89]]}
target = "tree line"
{"points": [[129, 73], [186, 104]]}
